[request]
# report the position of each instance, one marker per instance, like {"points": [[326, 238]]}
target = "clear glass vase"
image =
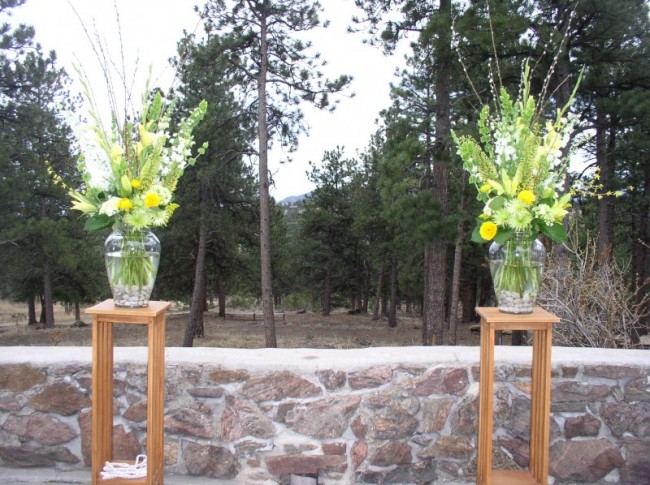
{"points": [[516, 268], [132, 258]]}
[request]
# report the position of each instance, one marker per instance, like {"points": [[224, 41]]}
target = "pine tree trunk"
{"points": [[265, 211], [196, 307], [366, 290], [77, 312], [221, 289], [48, 302], [605, 209], [327, 290], [31, 311], [434, 311], [392, 312], [455, 286], [380, 284]]}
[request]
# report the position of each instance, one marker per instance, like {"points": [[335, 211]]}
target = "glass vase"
{"points": [[516, 267], [132, 257]]}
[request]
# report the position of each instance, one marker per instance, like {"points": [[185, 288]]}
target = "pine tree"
{"points": [[277, 73]]}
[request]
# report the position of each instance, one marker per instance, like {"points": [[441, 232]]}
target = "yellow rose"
{"points": [[152, 199], [125, 204], [136, 184], [526, 196], [488, 230]]}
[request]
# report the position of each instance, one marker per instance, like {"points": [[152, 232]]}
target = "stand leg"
{"points": [[155, 400], [540, 405], [486, 389], [102, 396]]}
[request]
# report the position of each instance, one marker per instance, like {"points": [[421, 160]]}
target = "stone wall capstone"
{"points": [[377, 415]]}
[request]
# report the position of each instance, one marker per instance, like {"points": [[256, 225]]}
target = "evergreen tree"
{"points": [[277, 73], [217, 203], [43, 257]]}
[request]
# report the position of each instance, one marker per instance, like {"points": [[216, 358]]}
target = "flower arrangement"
{"points": [[139, 164], [130, 173], [518, 168]]}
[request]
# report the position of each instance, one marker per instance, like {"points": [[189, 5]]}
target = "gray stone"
{"points": [[42, 428], [434, 414], [519, 449], [323, 419], [136, 412], [20, 377], [391, 453], [638, 389], [243, 418], [305, 464], [210, 461], [585, 460], [225, 376], [622, 418], [334, 448], [458, 447], [125, 444], [464, 418], [332, 380], [11, 403], [391, 422], [206, 392], [29, 456], [249, 448], [370, 378], [191, 422], [578, 391], [422, 472], [442, 380], [85, 428], [279, 385], [637, 466], [585, 425], [359, 428], [612, 371], [60, 398], [358, 453]]}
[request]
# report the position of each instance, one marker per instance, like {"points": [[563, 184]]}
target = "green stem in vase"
{"points": [[131, 265]]}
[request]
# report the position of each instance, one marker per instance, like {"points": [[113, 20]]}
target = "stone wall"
{"points": [[378, 415]]}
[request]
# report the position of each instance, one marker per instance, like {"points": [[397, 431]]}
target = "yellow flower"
{"points": [[485, 188], [145, 136], [152, 199], [125, 204], [116, 152], [526, 196], [136, 184], [488, 230]]}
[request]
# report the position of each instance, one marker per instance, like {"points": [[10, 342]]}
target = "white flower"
{"points": [[109, 207]]}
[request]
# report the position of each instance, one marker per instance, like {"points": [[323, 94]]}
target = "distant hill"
{"points": [[293, 199]]}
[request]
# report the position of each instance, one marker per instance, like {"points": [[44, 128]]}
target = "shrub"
{"points": [[592, 298]]}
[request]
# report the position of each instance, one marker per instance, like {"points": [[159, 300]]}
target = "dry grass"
{"points": [[308, 330]]}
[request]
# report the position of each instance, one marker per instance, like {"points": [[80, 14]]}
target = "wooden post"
{"points": [[105, 314], [540, 322]]}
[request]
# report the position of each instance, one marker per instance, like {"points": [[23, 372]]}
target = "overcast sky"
{"points": [[150, 30]]}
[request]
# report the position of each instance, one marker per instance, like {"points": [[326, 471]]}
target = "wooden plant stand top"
{"points": [[540, 322], [105, 314]]}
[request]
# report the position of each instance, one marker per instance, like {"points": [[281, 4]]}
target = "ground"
{"points": [[239, 330]]}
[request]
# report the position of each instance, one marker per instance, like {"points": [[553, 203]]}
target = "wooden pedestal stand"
{"points": [[540, 322], [105, 315]]}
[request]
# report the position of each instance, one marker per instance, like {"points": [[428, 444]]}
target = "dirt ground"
{"points": [[238, 330]]}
